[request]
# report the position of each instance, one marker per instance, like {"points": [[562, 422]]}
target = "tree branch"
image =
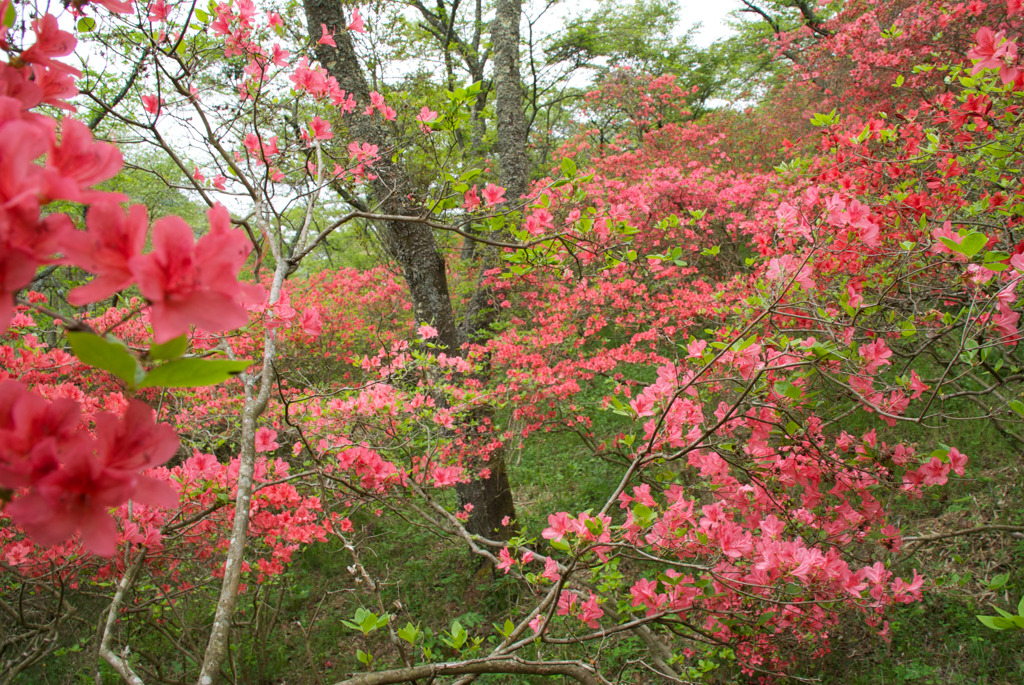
{"points": [[576, 670]]}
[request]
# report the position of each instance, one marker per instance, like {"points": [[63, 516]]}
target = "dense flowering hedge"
{"points": [[734, 316]]}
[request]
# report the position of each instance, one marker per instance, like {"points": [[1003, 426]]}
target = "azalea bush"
{"points": [[711, 331]]}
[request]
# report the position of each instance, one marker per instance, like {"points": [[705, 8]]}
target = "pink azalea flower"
{"points": [[875, 354], [560, 524], [935, 472], [908, 592], [425, 117], [566, 602], [115, 6], [506, 562], [266, 439], [75, 497], [311, 323], [447, 475], [320, 129], [785, 267], [590, 612], [855, 299], [51, 42], [326, 38], [990, 50], [493, 194], [917, 385], [645, 593], [957, 461], [188, 282], [470, 200], [159, 11], [280, 56], [537, 623], [112, 239], [151, 103], [550, 570], [74, 478], [357, 22], [77, 162]]}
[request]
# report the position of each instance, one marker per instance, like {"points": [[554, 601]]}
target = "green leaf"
{"points": [[505, 630], [560, 545], [996, 261], [459, 635], [995, 622], [824, 119], [970, 245], [108, 354], [85, 24], [822, 352], [193, 373], [202, 16], [409, 633], [568, 167], [999, 581], [973, 243], [642, 515], [783, 387], [172, 349], [369, 623], [1017, 406]]}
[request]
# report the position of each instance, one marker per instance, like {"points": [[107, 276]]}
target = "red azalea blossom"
{"points": [[189, 282]]}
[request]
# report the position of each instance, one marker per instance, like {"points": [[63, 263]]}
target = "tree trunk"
{"points": [[515, 170], [508, 88], [411, 244]]}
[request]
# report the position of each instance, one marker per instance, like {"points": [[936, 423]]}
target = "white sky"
{"points": [[711, 16]]}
